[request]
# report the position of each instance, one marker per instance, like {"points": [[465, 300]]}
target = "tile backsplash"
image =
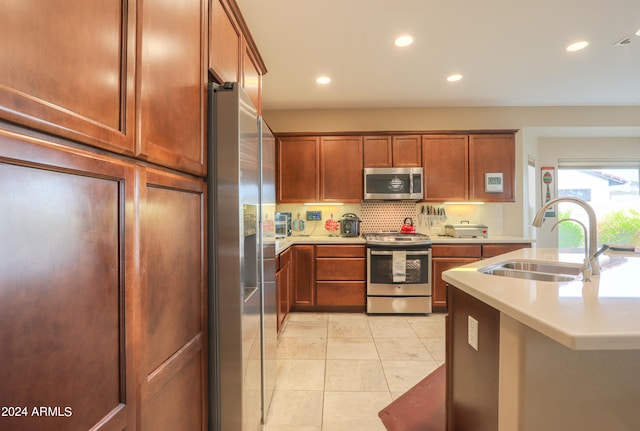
{"points": [[388, 216]]}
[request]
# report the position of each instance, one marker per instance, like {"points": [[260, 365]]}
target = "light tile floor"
{"points": [[336, 371]]}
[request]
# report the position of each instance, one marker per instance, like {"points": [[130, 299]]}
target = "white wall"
{"points": [[543, 132]]}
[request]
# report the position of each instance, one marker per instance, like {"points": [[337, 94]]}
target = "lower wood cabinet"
{"points": [[283, 286], [341, 277], [102, 290], [303, 288], [173, 302], [448, 256]]}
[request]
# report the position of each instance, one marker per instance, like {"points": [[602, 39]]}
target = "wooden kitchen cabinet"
{"points": [[445, 163], [172, 313], [319, 169], [68, 286], [233, 55], [444, 257], [386, 151], [341, 277], [303, 288], [225, 42], [448, 256], [298, 169], [283, 286], [173, 87], [455, 166], [487, 154], [68, 68], [341, 176]]}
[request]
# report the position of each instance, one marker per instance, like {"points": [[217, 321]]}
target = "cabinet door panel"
{"points": [[377, 152], [303, 288], [225, 39], [407, 151], [173, 296], [440, 265], [445, 163], [341, 175], [297, 171], [173, 84], [491, 154], [66, 286], [68, 69]]}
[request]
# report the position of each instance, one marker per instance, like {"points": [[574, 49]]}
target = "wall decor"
{"points": [[548, 177]]}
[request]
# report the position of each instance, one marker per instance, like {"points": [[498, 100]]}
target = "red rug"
{"points": [[421, 408]]}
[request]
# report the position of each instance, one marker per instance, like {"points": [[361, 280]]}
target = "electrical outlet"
{"points": [[472, 331], [314, 215]]}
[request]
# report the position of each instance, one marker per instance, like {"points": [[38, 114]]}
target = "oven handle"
{"points": [[409, 252]]}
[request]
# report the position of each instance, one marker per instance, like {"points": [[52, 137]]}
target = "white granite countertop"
{"points": [[284, 243], [601, 315]]}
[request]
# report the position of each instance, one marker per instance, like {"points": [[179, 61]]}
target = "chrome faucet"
{"points": [[586, 265], [592, 245]]}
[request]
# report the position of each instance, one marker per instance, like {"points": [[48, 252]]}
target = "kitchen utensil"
{"points": [[298, 224], [349, 225], [408, 226], [331, 225]]}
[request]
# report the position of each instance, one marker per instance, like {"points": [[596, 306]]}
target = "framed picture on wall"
{"points": [[548, 187]]}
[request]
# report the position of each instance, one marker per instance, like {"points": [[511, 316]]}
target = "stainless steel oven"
{"points": [[398, 273]]}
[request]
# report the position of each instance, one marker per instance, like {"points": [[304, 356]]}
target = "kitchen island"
{"points": [[549, 355]]}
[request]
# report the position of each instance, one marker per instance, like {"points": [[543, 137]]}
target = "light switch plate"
{"points": [[472, 331]]}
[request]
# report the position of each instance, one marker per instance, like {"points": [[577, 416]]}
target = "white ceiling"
{"points": [[511, 52]]}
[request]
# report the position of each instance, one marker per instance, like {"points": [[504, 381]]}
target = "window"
{"points": [[613, 192]]}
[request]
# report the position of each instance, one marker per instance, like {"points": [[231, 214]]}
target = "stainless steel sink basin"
{"points": [[538, 271]]}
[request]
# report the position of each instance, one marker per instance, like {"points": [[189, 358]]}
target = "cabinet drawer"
{"points": [[343, 293], [491, 250], [340, 251], [463, 250], [341, 269]]}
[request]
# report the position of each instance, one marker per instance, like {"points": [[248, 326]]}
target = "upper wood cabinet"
{"points": [[407, 151], [298, 170], [225, 43], [445, 163], [233, 55], [341, 178], [392, 151], [455, 166], [68, 68], [491, 154], [172, 81], [319, 169]]}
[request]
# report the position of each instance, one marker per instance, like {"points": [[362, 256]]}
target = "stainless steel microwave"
{"points": [[393, 184]]}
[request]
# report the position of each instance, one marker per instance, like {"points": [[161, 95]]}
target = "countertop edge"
{"points": [[466, 278]]}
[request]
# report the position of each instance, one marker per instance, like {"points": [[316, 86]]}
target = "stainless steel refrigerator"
{"points": [[242, 294]]}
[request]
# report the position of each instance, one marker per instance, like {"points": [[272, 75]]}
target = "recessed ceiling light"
{"points": [[577, 46], [323, 80], [403, 41], [638, 32], [455, 77]]}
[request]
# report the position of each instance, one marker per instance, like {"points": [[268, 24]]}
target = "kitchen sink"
{"points": [[531, 270]]}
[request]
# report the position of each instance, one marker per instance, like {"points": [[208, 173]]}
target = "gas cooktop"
{"points": [[396, 238]]}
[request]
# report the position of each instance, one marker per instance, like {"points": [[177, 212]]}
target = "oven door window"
{"points": [[382, 265]]}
